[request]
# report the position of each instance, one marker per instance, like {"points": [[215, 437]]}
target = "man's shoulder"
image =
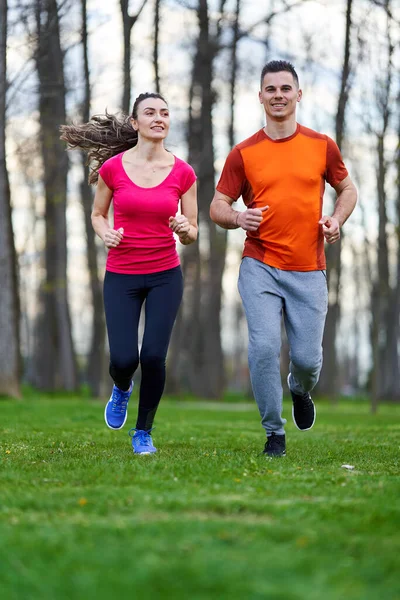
{"points": [[312, 133], [256, 138]]}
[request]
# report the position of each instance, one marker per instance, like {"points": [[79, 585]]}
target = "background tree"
{"points": [[218, 49], [329, 373], [96, 359], [381, 291], [55, 362], [197, 358], [128, 22], [9, 297], [156, 46]]}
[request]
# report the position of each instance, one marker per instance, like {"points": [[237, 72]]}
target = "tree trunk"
{"points": [[381, 328], [157, 6], [233, 75], [196, 357], [9, 299], [96, 358], [128, 21], [394, 319], [329, 375], [389, 359], [55, 357]]}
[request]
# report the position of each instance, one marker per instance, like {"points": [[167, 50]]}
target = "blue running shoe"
{"points": [[142, 442], [116, 411]]}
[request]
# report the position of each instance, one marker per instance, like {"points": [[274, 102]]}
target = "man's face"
{"points": [[279, 95]]}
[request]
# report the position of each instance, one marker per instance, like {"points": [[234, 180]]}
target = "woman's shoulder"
{"points": [[111, 169], [182, 165], [184, 175], [113, 161]]}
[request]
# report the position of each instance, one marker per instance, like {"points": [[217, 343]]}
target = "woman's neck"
{"points": [[149, 151]]}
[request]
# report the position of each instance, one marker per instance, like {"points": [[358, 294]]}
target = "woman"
{"points": [[146, 184]]}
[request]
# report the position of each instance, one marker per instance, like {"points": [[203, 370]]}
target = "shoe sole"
{"points": [[142, 453], [274, 455], [109, 426], [294, 420]]}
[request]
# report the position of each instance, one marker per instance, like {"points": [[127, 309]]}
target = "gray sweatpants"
{"points": [[302, 298]]}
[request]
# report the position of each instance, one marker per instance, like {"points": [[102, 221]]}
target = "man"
{"points": [[280, 172]]}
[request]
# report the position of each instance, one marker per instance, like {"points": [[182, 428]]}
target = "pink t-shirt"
{"points": [[148, 245]]}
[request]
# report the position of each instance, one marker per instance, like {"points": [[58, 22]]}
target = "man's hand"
{"points": [[113, 237], [250, 219], [330, 229]]}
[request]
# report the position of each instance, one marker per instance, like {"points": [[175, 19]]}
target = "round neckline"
{"points": [[151, 187], [285, 139]]}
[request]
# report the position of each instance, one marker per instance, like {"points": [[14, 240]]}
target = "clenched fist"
{"points": [[113, 237], [179, 225]]}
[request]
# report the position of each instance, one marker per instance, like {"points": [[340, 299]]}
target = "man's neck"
{"points": [[278, 130]]}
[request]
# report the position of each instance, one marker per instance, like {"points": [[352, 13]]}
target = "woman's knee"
{"points": [[123, 366], [152, 363]]}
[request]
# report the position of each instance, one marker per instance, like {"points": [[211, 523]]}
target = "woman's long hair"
{"points": [[104, 136]]}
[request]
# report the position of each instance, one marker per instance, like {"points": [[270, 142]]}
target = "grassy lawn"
{"points": [[207, 517]]}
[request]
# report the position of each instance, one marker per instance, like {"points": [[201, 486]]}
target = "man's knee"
{"points": [[307, 364], [264, 351]]}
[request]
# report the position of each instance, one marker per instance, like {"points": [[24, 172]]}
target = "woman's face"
{"points": [[152, 121]]}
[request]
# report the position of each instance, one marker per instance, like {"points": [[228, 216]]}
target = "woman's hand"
{"points": [[180, 225], [112, 237], [185, 223]]}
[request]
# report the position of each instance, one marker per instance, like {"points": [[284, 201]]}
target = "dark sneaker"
{"points": [[303, 410], [275, 445], [142, 442], [116, 410]]}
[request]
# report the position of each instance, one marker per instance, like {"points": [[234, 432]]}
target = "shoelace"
{"points": [[119, 406], [306, 402], [120, 400], [142, 436]]}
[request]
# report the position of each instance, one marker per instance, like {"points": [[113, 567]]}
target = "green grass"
{"points": [[207, 517]]}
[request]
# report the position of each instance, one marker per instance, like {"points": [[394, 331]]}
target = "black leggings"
{"points": [[123, 299]]}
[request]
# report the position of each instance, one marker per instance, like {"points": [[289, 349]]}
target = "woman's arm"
{"points": [[185, 224], [101, 206]]}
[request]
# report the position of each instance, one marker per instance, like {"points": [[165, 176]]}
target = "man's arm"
{"points": [[344, 206], [222, 213]]}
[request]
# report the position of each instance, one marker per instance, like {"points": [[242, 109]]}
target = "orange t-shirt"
{"points": [[289, 176]]}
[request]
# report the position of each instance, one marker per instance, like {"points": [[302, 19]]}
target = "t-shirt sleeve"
{"points": [[106, 172], [335, 168], [233, 180], [187, 179]]}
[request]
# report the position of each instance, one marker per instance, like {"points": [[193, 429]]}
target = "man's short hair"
{"points": [[276, 66]]}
